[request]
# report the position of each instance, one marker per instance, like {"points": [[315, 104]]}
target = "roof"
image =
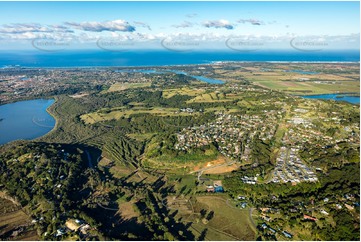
{"points": [[217, 183], [72, 225], [305, 216]]}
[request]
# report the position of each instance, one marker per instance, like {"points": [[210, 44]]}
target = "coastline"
{"points": [[48, 110], [207, 63]]}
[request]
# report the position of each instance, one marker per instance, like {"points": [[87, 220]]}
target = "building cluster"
{"points": [[266, 227], [216, 187], [249, 180], [20, 83], [74, 225], [290, 168], [231, 133]]}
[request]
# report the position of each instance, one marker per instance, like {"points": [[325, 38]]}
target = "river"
{"points": [[336, 97]]}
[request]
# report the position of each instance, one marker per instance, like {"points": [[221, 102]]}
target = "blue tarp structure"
{"points": [[218, 189]]}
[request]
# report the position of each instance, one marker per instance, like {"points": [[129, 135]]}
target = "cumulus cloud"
{"points": [[141, 24], [185, 24], [112, 26], [20, 28], [218, 24], [251, 21]]}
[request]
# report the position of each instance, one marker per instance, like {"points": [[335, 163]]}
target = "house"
{"points": [[349, 207], [264, 209], [243, 205], [72, 225], [324, 212], [218, 189], [264, 226], [338, 206], [218, 186], [210, 188], [288, 235], [60, 232], [307, 217], [84, 229]]}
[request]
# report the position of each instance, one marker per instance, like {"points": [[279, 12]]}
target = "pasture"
{"points": [[121, 86], [213, 217], [188, 91]]}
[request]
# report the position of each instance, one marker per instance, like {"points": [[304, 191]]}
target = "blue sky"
{"points": [[182, 25]]}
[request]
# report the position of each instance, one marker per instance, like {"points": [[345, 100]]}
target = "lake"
{"points": [[25, 120], [336, 97]]}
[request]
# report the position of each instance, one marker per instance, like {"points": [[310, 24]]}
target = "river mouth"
{"points": [[25, 120]]}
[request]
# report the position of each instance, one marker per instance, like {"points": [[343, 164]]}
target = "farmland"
{"points": [[300, 78], [14, 222], [124, 86]]}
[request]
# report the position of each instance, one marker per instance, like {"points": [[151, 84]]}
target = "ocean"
{"points": [[92, 58]]}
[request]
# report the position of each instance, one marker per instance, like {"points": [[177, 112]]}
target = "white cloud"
{"points": [[21, 28], [218, 24], [113, 26]]}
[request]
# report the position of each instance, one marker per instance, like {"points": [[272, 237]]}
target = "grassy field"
{"points": [[12, 218], [119, 112], [123, 86], [141, 137], [221, 221], [168, 93], [211, 97]]}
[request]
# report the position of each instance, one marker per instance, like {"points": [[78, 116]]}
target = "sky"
{"points": [[179, 26]]}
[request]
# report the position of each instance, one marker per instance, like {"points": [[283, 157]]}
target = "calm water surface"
{"points": [[25, 120], [336, 97]]}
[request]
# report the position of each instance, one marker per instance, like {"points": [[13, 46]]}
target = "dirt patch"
{"points": [[218, 166], [220, 160], [126, 210], [79, 95], [222, 169]]}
